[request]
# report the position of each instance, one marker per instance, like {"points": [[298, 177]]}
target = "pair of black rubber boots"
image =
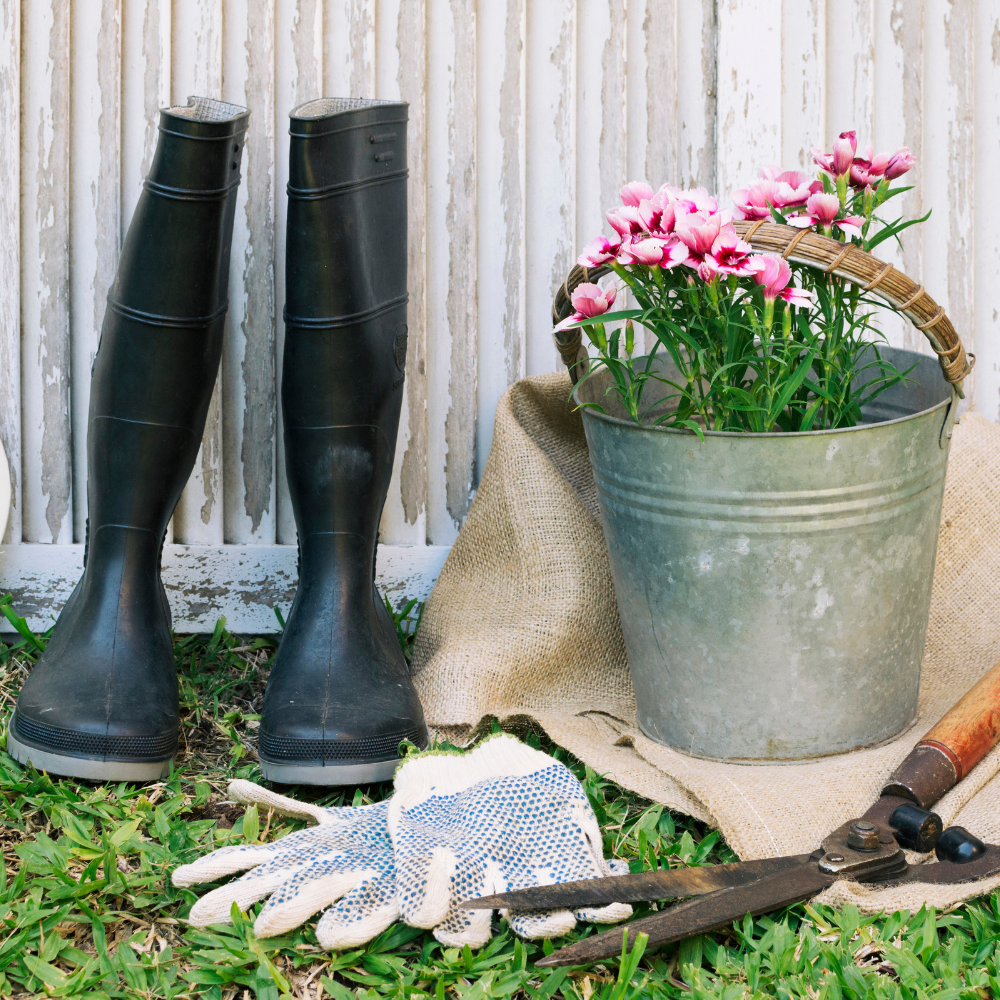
{"points": [[102, 702]]}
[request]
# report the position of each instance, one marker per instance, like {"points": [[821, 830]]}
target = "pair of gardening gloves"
{"points": [[458, 826]]}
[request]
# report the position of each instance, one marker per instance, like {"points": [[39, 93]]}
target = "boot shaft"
{"points": [[339, 698], [346, 235], [102, 701], [345, 313], [161, 341]]}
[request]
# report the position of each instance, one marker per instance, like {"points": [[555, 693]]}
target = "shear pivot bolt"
{"points": [[863, 836]]}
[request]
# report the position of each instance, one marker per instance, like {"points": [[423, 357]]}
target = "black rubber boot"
{"points": [[102, 701], [339, 699]]}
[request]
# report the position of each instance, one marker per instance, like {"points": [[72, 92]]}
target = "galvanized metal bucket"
{"points": [[774, 589]]}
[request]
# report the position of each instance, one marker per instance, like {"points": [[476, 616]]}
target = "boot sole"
{"points": [[84, 767], [329, 774]]}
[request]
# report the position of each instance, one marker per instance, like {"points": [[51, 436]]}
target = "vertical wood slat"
{"points": [[401, 70], [803, 71], [196, 69], [898, 88], [499, 209], [248, 363], [947, 167], [10, 258], [298, 48], [95, 203], [145, 88], [986, 274], [601, 115], [513, 158], [349, 48], [550, 171], [697, 92], [46, 451], [653, 143], [850, 97], [749, 108], [601, 93], [452, 244]]}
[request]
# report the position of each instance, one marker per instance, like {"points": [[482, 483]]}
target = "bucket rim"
{"points": [[769, 435]]}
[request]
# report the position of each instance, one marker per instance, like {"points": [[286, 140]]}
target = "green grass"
{"points": [[87, 908]]}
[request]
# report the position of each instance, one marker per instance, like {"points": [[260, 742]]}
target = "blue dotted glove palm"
{"points": [[499, 818], [343, 864]]}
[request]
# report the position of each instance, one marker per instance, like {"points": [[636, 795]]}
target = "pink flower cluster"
{"points": [[774, 276], [775, 188], [786, 189], [822, 210], [669, 228], [866, 170]]}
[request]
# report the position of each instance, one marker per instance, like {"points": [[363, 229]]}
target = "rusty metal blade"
{"points": [[675, 883], [700, 916]]}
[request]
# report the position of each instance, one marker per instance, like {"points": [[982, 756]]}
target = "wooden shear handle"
{"points": [[953, 747]]}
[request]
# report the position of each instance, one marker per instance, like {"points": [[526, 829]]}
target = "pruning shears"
{"points": [[867, 849]]}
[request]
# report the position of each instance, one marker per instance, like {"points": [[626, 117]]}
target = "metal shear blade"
{"points": [[673, 883], [720, 908]]}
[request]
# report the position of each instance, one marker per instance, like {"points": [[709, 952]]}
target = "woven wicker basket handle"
{"points": [[831, 256]]}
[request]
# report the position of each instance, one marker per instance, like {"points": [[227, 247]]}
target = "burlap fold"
{"points": [[523, 623]]}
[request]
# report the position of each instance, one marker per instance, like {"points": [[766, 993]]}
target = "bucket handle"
{"points": [[948, 424], [803, 246]]}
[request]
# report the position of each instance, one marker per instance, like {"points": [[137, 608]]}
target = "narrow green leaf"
{"points": [[337, 990], [894, 230], [124, 832], [20, 625], [47, 973], [251, 825]]}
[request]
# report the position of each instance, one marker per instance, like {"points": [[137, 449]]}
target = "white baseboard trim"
{"points": [[242, 582]]}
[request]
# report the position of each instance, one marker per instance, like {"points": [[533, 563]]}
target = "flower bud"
{"points": [[844, 148]]}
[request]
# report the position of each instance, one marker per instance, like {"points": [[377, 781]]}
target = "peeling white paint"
{"points": [[46, 455], [249, 399], [525, 117], [95, 185], [242, 583], [196, 69], [10, 258]]}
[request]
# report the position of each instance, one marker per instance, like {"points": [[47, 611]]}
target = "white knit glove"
{"points": [[500, 818], [347, 856]]}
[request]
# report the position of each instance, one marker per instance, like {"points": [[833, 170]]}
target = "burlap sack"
{"points": [[523, 623]]}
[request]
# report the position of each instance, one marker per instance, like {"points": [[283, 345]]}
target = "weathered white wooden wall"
{"points": [[525, 118]]}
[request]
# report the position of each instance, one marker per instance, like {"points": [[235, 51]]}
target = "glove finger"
{"points": [[215, 907], [238, 858], [465, 927], [424, 888], [474, 928], [361, 915], [613, 913], [224, 861], [545, 924], [299, 897], [252, 794]]}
